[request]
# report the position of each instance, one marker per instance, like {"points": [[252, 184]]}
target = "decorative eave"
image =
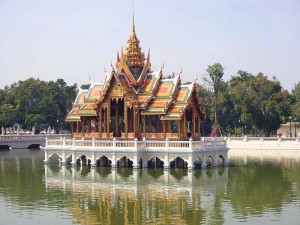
{"points": [[122, 67], [146, 69]]}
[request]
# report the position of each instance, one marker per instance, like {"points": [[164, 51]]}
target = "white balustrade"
{"points": [[206, 144]]}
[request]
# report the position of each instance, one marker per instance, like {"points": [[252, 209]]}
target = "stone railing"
{"points": [[262, 143], [38, 136], [135, 144], [246, 138]]}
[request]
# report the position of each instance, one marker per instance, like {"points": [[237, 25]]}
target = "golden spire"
{"points": [[134, 55], [133, 26]]}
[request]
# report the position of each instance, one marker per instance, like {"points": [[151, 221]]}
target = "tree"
{"points": [[296, 102], [8, 115], [261, 103], [215, 72], [206, 99], [36, 103]]}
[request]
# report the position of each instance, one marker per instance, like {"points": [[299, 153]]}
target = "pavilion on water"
{"points": [[136, 102]]}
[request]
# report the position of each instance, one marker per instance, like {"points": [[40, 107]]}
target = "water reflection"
{"points": [[138, 196], [257, 190]]}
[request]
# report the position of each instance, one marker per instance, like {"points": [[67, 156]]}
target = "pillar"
{"points": [[105, 120], [93, 161], [63, 158], [108, 118], [144, 126], [77, 127], [184, 126], [199, 125], [190, 162], [194, 123], [82, 126], [100, 122], [166, 161], [46, 156], [150, 124], [157, 124], [89, 124], [72, 127], [179, 128], [216, 159], [135, 164], [226, 160], [113, 160], [204, 158], [164, 129], [135, 121], [117, 119], [73, 159], [126, 119]]}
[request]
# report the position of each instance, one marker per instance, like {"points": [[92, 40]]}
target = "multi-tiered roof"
{"points": [[147, 91]]}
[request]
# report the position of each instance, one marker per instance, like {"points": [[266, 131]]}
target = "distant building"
{"points": [[136, 102], [291, 129]]}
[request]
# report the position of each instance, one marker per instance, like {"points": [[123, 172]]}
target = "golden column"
{"points": [[89, 124], [184, 126], [117, 118], [100, 122], [164, 129], [108, 118], [72, 127], [150, 124], [199, 126], [126, 119], [135, 121], [105, 119], [179, 128], [77, 127], [194, 123], [82, 126], [144, 126]]}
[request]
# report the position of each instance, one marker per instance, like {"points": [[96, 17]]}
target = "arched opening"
{"points": [[5, 147], [198, 163], [54, 157], [83, 161], [125, 162], [103, 161], [221, 160], [34, 146], [155, 162], [178, 163], [210, 161]]}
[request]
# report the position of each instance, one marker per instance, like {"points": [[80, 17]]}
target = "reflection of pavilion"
{"points": [[102, 194]]}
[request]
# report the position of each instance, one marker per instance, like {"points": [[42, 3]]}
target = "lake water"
{"points": [[249, 191]]}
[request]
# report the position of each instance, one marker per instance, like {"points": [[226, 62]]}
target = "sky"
{"points": [[78, 39]]}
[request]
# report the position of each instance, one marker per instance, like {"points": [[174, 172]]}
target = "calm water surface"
{"points": [[250, 191]]}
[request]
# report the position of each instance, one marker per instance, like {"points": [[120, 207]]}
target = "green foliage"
{"points": [[36, 103], [248, 104], [296, 102], [8, 115], [215, 72], [260, 102]]}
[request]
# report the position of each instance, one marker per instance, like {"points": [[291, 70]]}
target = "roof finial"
{"points": [[133, 26]]}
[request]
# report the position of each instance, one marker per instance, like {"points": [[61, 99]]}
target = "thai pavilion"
{"points": [[136, 102]]}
